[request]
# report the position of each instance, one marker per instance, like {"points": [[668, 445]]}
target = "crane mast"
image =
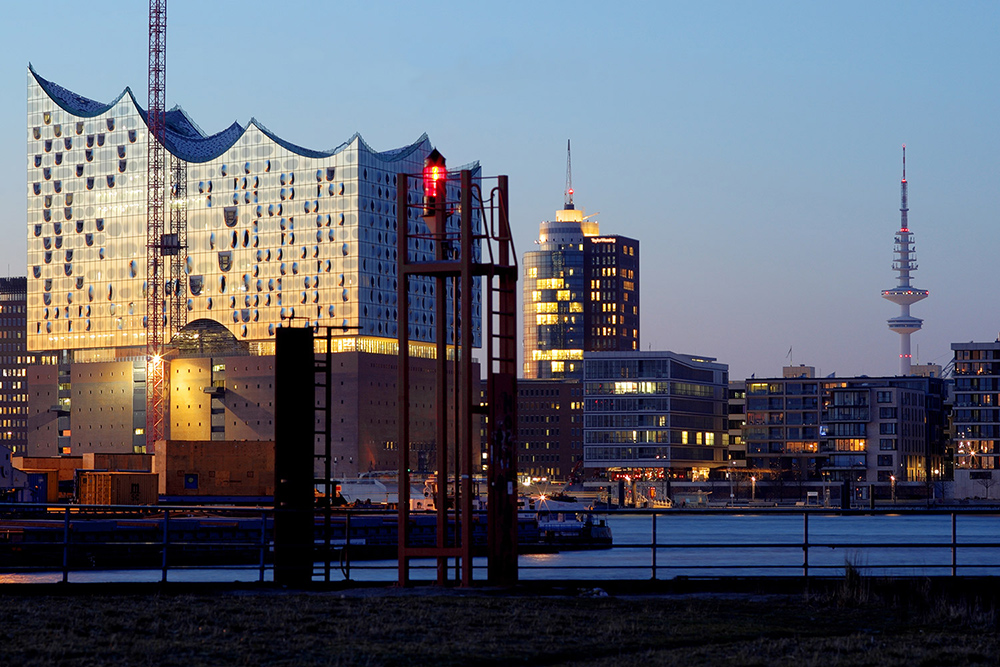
{"points": [[155, 181]]}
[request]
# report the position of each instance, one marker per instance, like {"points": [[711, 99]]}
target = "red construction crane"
{"points": [[155, 152]]}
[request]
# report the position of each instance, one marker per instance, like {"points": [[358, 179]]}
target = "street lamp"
{"points": [[753, 489], [892, 480]]}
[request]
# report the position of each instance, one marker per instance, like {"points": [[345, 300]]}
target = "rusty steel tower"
{"points": [[903, 293], [463, 251]]}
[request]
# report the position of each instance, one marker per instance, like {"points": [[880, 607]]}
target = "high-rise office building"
{"points": [[581, 294], [276, 234], [14, 362], [976, 416], [655, 410]]}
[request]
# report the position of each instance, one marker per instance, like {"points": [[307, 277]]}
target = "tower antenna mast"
{"points": [[568, 203], [903, 293]]}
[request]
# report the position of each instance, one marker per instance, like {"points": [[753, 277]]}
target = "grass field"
{"points": [[854, 623]]}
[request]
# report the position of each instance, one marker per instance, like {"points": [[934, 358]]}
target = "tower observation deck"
{"points": [[903, 294]]}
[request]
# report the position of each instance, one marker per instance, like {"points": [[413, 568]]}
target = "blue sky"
{"points": [[753, 148]]}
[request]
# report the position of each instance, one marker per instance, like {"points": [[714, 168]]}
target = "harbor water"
{"points": [[693, 545]]}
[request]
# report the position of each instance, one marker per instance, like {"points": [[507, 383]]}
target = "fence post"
{"points": [[166, 520], [65, 572], [954, 545], [654, 545], [805, 544], [263, 543], [346, 551]]}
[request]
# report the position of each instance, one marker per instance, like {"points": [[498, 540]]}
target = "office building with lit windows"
{"points": [[976, 416], [276, 234], [550, 430], [656, 414], [14, 362], [858, 429], [581, 294]]}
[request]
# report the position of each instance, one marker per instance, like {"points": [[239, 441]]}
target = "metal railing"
{"points": [[63, 539], [206, 542]]}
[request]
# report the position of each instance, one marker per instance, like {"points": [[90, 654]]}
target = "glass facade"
{"points": [[274, 231], [553, 312], [655, 410], [581, 294]]}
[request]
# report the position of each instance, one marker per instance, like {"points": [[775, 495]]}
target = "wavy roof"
{"points": [[187, 141]]}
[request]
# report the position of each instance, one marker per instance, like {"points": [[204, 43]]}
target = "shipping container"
{"points": [[118, 488]]}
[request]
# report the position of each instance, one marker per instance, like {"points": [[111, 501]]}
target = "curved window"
{"points": [[225, 260], [121, 152], [79, 170], [68, 143], [196, 284], [100, 139], [38, 162], [100, 224], [111, 124]]}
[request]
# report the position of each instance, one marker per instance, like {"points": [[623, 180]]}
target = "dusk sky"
{"points": [[752, 148]]}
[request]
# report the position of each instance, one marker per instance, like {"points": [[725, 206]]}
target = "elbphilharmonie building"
{"points": [[276, 235], [275, 231]]}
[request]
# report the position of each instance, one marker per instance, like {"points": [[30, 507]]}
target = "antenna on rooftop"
{"points": [[569, 180]]}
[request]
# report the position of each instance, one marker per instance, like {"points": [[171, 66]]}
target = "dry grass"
{"points": [[389, 627]]}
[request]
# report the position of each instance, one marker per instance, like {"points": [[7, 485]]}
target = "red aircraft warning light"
{"points": [[435, 180]]}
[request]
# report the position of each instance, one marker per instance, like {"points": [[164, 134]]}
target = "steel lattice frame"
{"points": [[178, 231], [156, 121]]}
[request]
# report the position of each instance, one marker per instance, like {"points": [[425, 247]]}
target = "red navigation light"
{"points": [[435, 178]]}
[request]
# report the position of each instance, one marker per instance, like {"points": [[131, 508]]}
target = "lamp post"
{"points": [[892, 481], [753, 489]]}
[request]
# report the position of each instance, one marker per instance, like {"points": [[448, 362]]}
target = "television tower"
{"points": [[903, 294]]}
